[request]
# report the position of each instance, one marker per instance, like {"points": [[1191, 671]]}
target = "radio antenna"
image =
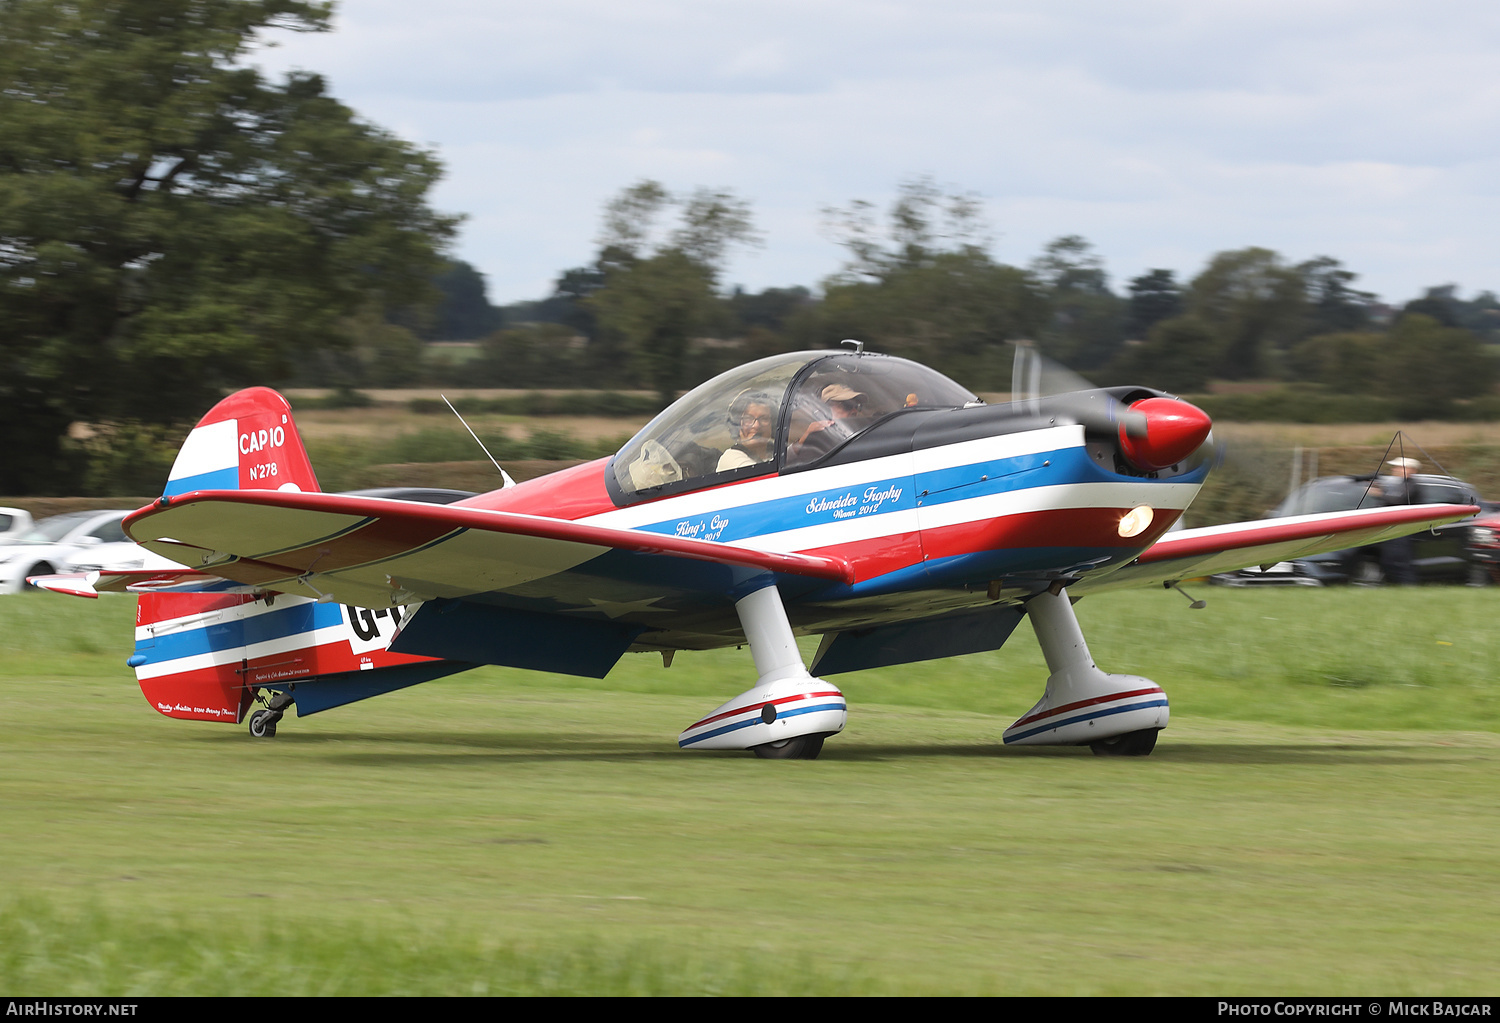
{"points": [[503, 474]]}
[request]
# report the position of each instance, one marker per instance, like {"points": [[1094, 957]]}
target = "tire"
{"points": [[1367, 572], [1479, 575], [1131, 744], [263, 724], [804, 747]]}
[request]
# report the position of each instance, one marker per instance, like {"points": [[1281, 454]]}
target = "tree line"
{"points": [[919, 281]]}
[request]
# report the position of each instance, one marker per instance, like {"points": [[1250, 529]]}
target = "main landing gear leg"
{"points": [[263, 722], [1111, 714], [787, 714]]}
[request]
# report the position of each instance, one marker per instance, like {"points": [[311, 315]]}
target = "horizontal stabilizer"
{"points": [[139, 580]]}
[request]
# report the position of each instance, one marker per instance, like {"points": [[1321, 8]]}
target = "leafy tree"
{"points": [[529, 355], [1179, 355], [1085, 326], [1438, 304], [657, 305], [464, 313], [1480, 314], [1426, 366], [770, 309], [924, 222], [932, 293], [1346, 363], [1154, 296], [1420, 363], [1335, 306], [658, 291], [172, 224], [383, 354], [954, 312], [1253, 303]]}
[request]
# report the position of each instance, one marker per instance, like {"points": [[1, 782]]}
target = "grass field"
{"points": [[1321, 817]]}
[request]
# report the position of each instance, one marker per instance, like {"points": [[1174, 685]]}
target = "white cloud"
{"points": [[1163, 131]]}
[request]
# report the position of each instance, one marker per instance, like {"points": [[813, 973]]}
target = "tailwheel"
{"points": [[263, 723], [1131, 744], [803, 747]]}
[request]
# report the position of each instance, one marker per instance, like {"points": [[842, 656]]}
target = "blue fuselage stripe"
{"points": [[880, 497], [240, 632]]}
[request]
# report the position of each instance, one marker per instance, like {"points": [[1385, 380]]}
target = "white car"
{"points": [[121, 556], [51, 542], [13, 523]]}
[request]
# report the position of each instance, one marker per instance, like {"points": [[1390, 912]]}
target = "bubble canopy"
{"points": [[783, 413]]}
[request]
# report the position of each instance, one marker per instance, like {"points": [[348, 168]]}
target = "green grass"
{"points": [[1321, 817]]}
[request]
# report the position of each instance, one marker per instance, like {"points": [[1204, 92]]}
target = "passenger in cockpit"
{"points": [[752, 415], [823, 435]]}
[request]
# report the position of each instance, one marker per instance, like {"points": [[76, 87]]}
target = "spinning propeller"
{"points": [[1154, 431]]}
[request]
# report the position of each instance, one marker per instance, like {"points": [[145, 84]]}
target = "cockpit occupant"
{"points": [[752, 415], [823, 435]]}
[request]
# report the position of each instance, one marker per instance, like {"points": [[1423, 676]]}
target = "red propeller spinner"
{"points": [[1174, 430]]}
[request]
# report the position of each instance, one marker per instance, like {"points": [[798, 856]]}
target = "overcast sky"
{"points": [[1161, 130]]}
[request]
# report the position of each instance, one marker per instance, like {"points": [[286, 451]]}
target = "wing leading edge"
{"points": [[1191, 553], [372, 552]]}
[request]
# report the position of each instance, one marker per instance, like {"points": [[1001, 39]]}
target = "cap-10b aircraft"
{"points": [[852, 495]]}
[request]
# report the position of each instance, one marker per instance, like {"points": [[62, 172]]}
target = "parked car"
{"points": [[1483, 549], [1443, 554], [14, 523], [52, 541]]}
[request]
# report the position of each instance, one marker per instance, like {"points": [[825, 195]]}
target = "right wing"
{"points": [[1192, 553]]}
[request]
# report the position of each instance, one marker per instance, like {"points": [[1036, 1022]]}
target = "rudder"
{"points": [[248, 441]]}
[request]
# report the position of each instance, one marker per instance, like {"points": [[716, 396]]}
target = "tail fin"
{"points": [[204, 656], [248, 441], [189, 655]]}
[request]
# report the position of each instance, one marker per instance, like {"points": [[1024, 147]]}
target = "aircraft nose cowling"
{"points": [[1174, 430]]}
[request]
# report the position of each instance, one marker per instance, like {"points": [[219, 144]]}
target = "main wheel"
{"points": [[804, 747], [1131, 744], [263, 724]]}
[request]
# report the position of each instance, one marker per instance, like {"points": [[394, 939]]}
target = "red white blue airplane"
{"points": [[860, 497]]}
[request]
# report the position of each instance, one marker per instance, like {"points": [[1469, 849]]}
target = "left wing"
{"points": [[374, 552], [1192, 553]]}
